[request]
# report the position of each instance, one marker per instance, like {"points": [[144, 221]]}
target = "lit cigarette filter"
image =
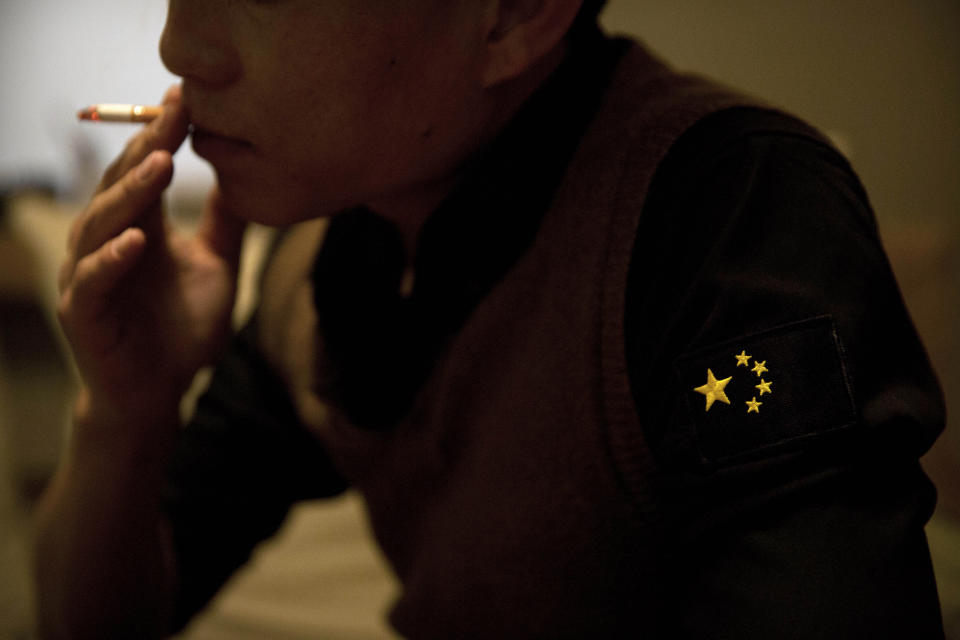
{"points": [[120, 112]]}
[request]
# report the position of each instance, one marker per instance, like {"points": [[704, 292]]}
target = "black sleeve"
{"points": [[784, 393], [242, 461]]}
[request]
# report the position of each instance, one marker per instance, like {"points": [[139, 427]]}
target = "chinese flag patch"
{"points": [[765, 391]]}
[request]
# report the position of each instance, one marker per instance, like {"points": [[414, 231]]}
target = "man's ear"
{"points": [[522, 33]]}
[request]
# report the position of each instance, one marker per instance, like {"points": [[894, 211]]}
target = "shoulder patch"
{"points": [[765, 391]]}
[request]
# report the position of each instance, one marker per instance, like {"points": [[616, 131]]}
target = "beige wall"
{"points": [[883, 78], [886, 75]]}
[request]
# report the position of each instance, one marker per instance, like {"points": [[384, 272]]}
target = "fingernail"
{"points": [[147, 168], [122, 244], [171, 94]]}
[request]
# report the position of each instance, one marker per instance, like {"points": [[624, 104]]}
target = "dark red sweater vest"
{"points": [[516, 499]]}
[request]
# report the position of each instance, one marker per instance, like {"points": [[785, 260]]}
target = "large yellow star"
{"points": [[743, 360], [760, 368], [753, 406], [714, 389], [764, 387]]}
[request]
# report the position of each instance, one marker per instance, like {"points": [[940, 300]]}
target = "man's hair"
{"points": [[587, 18]]}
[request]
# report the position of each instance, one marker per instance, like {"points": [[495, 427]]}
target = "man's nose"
{"points": [[196, 42]]}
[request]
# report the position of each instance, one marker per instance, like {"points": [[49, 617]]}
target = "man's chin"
{"points": [[273, 208]]}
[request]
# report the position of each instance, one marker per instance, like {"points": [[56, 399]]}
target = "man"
{"points": [[609, 351]]}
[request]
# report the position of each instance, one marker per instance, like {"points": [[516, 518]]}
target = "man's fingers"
{"points": [[131, 185], [97, 274], [122, 205], [166, 133]]}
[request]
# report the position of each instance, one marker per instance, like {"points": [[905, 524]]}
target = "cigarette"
{"points": [[120, 112]]}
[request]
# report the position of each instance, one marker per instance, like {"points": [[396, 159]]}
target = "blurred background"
{"points": [[881, 78]]}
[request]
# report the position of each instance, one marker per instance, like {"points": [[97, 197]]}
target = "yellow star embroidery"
{"points": [[764, 387], [743, 360], [713, 390], [760, 368], [753, 406]]}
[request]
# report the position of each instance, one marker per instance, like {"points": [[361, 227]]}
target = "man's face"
{"points": [[305, 107]]}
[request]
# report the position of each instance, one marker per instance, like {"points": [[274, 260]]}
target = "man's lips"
{"points": [[218, 148]]}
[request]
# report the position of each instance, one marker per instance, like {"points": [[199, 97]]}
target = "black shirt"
{"points": [[774, 519]]}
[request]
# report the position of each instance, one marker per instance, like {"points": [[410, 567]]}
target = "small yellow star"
{"points": [[764, 387], [753, 405], [743, 360], [760, 368], [713, 390]]}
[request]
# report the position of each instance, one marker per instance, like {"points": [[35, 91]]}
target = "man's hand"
{"points": [[142, 307]]}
